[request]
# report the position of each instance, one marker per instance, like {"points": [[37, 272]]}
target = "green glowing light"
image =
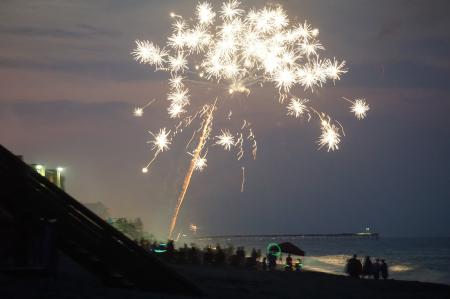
{"points": [[161, 248], [270, 249]]}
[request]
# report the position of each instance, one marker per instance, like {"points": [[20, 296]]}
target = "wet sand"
{"points": [[225, 282]]}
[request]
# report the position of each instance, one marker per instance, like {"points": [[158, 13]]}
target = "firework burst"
{"points": [[360, 108], [160, 140], [297, 107], [193, 228], [330, 136], [226, 140], [230, 51]]}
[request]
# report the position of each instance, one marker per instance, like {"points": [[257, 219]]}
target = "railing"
{"points": [[25, 193]]}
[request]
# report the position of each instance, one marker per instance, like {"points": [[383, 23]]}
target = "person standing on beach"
{"points": [[253, 258], [367, 267], [298, 265], [240, 252], [272, 261], [376, 269], [384, 270], [288, 265], [354, 267]]}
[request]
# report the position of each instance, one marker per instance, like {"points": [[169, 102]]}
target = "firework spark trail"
{"points": [[139, 111], [207, 125], [161, 143], [255, 149], [239, 144], [149, 103], [243, 179], [178, 237], [145, 169], [251, 137], [192, 138]]}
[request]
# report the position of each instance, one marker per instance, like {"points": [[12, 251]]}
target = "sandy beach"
{"points": [[242, 283], [223, 282]]}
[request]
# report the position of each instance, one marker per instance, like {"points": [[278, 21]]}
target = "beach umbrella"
{"points": [[288, 247]]}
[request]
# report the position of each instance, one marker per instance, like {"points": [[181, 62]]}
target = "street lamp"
{"points": [[40, 169], [59, 170]]}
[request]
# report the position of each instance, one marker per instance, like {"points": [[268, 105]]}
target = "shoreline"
{"points": [[230, 282], [222, 282], [402, 255]]}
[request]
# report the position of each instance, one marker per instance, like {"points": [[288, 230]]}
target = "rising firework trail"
{"points": [[243, 179], [228, 53], [196, 155]]}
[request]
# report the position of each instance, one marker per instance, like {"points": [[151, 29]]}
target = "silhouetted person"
{"points": [[208, 255], [170, 251], [144, 244], [220, 256], [376, 268], [264, 264], [272, 261], [154, 246], [354, 267], [254, 254], [234, 260], [240, 252], [251, 261], [193, 257], [298, 265], [182, 254], [288, 266], [384, 270], [367, 267], [229, 251], [258, 253]]}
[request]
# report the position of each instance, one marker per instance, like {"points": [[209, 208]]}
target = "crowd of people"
{"points": [[290, 266], [208, 255], [218, 255], [368, 269], [237, 257]]}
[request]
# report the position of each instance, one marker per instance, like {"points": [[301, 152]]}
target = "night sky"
{"points": [[69, 85]]}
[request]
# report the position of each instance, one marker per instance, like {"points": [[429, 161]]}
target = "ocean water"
{"points": [[422, 259]]}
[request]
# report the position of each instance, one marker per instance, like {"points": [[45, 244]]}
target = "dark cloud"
{"points": [[389, 29], [64, 109], [401, 74], [123, 70], [425, 13], [82, 31]]}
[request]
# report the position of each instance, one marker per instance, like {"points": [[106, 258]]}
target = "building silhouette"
{"points": [[42, 226], [54, 175]]}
